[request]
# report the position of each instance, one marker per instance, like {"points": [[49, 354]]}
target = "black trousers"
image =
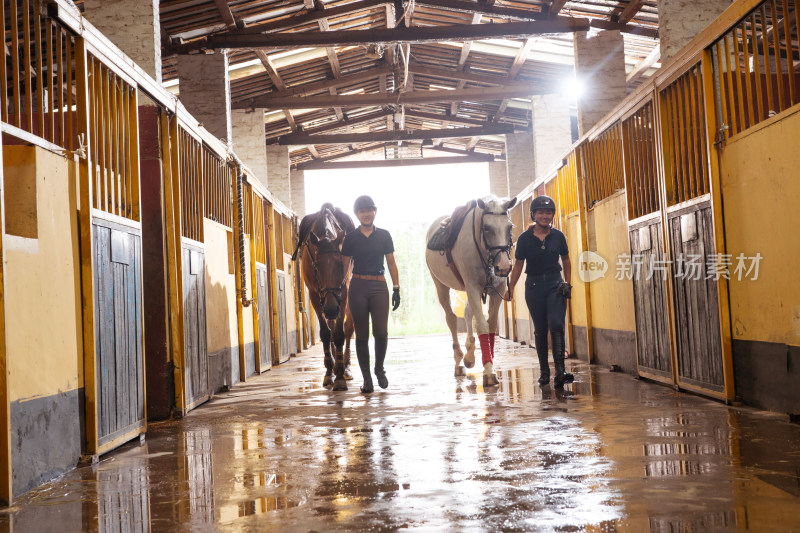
{"points": [[548, 310], [369, 299]]}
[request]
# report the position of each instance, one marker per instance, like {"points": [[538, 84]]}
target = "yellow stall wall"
{"points": [[43, 335], [761, 194], [249, 339], [221, 326], [613, 316], [577, 304]]}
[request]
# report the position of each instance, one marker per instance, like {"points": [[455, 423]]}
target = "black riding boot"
{"points": [[541, 352], [562, 376], [362, 353], [380, 356]]}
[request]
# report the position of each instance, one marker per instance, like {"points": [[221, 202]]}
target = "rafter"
{"points": [[556, 7], [630, 11], [400, 135], [462, 6], [226, 13], [312, 16], [369, 117], [326, 85], [348, 152], [455, 32], [377, 99]]}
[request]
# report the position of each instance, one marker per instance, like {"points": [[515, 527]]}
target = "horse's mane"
{"points": [[307, 223]]}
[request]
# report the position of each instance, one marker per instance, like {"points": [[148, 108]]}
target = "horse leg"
{"points": [[487, 357], [325, 337], [340, 383], [348, 334], [469, 344], [494, 315], [443, 294]]}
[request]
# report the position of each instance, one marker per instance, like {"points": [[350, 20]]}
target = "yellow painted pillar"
{"points": [[6, 493]]}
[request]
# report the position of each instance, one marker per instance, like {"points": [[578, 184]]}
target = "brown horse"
{"points": [[320, 241]]}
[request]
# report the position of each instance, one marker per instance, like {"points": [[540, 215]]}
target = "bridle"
{"points": [[492, 253], [324, 291]]}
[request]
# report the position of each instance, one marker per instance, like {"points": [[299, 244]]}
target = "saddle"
{"points": [[444, 238]]}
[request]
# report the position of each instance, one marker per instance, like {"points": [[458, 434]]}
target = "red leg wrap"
{"points": [[486, 348], [491, 342]]}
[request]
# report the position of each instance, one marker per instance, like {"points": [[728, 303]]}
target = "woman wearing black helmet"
{"points": [[546, 292], [368, 294]]}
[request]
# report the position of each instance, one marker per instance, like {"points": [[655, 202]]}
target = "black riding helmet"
{"points": [[542, 202], [364, 202]]}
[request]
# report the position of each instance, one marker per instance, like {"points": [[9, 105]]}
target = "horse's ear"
{"points": [[314, 239], [481, 204], [511, 203]]}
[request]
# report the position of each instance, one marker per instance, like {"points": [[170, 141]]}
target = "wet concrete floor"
{"points": [[439, 453]]}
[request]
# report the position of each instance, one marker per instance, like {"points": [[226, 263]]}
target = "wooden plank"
{"points": [[40, 97], [314, 165]]}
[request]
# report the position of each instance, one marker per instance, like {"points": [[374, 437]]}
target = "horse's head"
{"points": [[327, 236], [496, 231]]}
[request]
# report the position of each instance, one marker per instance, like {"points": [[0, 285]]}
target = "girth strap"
{"points": [[449, 256]]}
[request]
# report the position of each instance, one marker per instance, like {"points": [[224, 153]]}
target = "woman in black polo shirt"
{"points": [[546, 292], [368, 294]]}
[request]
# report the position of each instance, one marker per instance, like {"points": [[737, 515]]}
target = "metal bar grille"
{"points": [[639, 147], [603, 164], [259, 235], [218, 188], [38, 74], [684, 138], [190, 161], [113, 138], [755, 66]]}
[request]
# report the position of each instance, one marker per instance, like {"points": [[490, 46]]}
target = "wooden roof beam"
{"points": [[378, 99], [340, 124], [400, 135], [382, 163], [455, 32]]}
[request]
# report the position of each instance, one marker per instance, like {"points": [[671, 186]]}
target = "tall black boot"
{"points": [[380, 356], [541, 351], [562, 376], [362, 353]]}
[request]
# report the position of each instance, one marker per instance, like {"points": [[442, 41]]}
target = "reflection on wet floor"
{"points": [[439, 453]]}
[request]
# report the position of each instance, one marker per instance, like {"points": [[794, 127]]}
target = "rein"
{"points": [[490, 260]]}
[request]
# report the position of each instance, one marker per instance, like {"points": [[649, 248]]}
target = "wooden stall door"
{"points": [[699, 346], [194, 320], [283, 338], [118, 315], [263, 317], [650, 300]]}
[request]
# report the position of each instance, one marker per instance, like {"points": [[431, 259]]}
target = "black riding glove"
{"points": [[564, 290], [395, 299]]}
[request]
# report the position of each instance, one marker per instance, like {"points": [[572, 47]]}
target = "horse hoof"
{"points": [[469, 363], [327, 381], [490, 380], [461, 371], [347, 374], [339, 384]]}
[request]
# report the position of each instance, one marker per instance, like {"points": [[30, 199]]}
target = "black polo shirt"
{"points": [[368, 252], [540, 261]]}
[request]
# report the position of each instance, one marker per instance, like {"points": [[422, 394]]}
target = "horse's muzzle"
{"points": [[330, 312]]}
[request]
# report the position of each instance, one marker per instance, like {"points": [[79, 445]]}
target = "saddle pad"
{"points": [[438, 241]]}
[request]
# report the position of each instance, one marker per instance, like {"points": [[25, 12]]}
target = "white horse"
{"points": [[481, 256]]}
